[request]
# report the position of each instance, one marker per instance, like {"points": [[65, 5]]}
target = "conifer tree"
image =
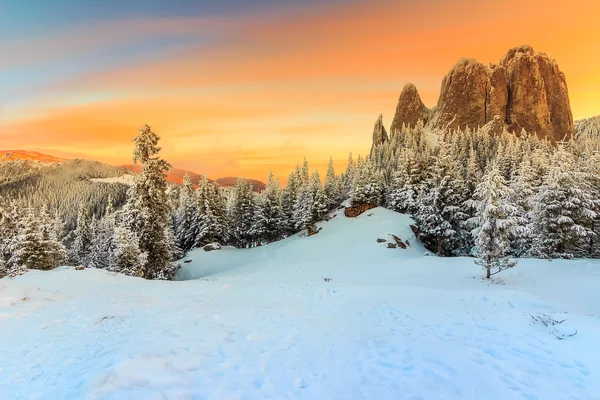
{"points": [[186, 218], [320, 202], [495, 221], [241, 214], [270, 216], [367, 187], [127, 258], [147, 211], [439, 208], [82, 243], [332, 186], [304, 208], [349, 177], [563, 210]]}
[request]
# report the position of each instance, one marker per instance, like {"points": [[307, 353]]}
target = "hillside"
{"points": [[28, 155], [264, 323]]}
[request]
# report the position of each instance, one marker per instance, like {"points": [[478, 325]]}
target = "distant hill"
{"points": [[588, 126], [175, 175], [29, 155], [229, 181]]}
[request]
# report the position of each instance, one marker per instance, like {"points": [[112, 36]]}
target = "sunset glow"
{"points": [[235, 91]]}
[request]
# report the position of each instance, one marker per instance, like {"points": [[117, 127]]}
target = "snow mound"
{"points": [[342, 244]]}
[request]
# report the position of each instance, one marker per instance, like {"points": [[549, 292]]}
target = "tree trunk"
{"points": [[488, 274]]}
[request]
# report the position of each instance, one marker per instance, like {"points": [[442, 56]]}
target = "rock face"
{"points": [[538, 99], [526, 90], [410, 109], [379, 133], [472, 93]]}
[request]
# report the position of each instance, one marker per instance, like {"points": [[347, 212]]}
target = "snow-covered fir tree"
{"points": [[269, 216], [563, 209], [186, 216], [211, 218], [332, 186], [127, 258], [82, 239], [439, 210], [147, 211], [367, 188], [320, 204], [241, 213], [304, 208], [103, 239], [494, 222]]}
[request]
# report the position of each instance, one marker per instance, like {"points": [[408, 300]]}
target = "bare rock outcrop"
{"points": [[380, 135], [525, 91], [472, 94], [410, 109], [538, 99]]}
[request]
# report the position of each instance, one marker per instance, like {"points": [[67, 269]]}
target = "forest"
{"points": [[471, 192]]}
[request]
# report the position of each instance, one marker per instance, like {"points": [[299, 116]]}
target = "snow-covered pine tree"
{"points": [[28, 252], [303, 208], [320, 204], [82, 243], [349, 177], [523, 187], [212, 214], [147, 210], [495, 222], [288, 199], [563, 209], [241, 214], [403, 193], [304, 173], [103, 241], [54, 251], [186, 216], [439, 212], [367, 186], [270, 216], [332, 186], [127, 258]]}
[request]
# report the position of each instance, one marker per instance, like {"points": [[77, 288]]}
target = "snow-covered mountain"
{"points": [[337, 315]]}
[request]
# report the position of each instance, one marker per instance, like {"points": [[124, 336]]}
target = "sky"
{"points": [[239, 87]]}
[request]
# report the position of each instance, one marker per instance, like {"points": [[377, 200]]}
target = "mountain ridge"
{"points": [[174, 175]]}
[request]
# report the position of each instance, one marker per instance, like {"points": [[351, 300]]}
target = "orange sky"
{"points": [[243, 94]]}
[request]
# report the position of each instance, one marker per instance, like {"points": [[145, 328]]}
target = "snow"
{"points": [[263, 323], [125, 179]]}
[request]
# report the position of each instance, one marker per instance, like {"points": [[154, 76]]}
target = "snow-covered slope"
{"points": [[264, 324]]}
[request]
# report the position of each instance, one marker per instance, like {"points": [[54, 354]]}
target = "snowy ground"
{"points": [[263, 324], [125, 179]]}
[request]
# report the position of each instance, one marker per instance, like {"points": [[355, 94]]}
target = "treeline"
{"points": [[553, 191]]}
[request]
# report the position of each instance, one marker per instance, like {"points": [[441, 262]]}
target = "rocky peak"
{"points": [[471, 95], [525, 91], [538, 99], [410, 109], [379, 133]]}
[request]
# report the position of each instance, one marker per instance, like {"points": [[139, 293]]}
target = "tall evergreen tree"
{"points": [[562, 211], [82, 243], [495, 221], [241, 214], [270, 216], [332, 186], [147, 211]]}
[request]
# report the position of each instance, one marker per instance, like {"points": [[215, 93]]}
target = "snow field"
{"points": [[263, 324]]}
